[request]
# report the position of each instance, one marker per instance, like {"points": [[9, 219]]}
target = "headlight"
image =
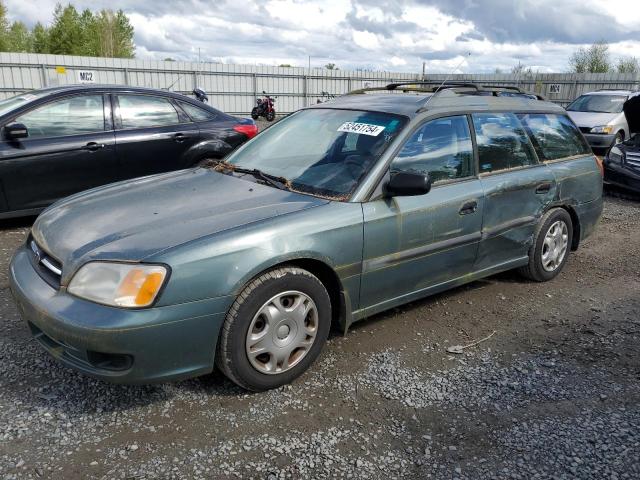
{"points": [[118, 284], [602, 129]]}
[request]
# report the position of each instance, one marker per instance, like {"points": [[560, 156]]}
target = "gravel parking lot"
{"points": [[554, 393]]}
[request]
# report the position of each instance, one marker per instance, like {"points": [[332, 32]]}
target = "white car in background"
{"points": [[600, 118]]}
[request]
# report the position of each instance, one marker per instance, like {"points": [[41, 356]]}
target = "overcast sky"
{"points": [[371, 34]]}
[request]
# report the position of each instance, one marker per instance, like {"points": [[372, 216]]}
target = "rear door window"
{"points": [[441, 148], [554, 136], [142, 111], [76, 115], [502, 142]]}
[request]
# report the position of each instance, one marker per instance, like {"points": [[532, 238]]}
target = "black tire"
{"points": [[254, 113], [270, 116], [535, 269], [231, 355]]}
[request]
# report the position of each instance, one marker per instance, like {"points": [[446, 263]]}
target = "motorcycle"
{"points": [[264, 108]]}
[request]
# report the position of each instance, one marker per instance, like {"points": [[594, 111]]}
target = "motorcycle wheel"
{"points": [[270, 116], [254, 113]]}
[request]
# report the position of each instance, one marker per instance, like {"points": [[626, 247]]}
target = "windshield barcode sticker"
{"points": [[362, 128]]}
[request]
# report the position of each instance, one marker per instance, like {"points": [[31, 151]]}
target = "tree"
{"points": [[65, 35], [285, 65], [594, 59], [4, 29], [331, 66], [521, 70], [628, 65], [19, 38], [103, 34], [39, 39]]}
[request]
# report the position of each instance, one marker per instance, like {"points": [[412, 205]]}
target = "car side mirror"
{"points": [[14, 131], [406, 184]]}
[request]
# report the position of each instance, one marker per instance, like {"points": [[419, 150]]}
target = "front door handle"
{"points": [[543, 188], [469, 207], [180, 137], [93, 146]]}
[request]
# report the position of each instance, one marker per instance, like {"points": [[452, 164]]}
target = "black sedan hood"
{"points": [[632, 112], [135, 219]]}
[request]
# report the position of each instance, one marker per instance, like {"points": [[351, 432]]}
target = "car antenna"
{"points": [[447, 79], [177, 80]]}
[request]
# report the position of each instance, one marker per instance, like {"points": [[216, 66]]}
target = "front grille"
{"points": [[585, 129], [47, 267], [633, 160]]}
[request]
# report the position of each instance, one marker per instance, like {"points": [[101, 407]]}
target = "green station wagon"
{"points": [[335, 213]]}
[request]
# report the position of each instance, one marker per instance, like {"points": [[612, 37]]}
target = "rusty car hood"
{"points": [[134, 219]]}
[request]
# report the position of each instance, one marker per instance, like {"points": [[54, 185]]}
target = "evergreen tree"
{"points": [[4, 29], [40, 39], [19, 38], [65, 33]]}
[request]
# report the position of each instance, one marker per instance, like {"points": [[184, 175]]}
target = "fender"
{"points": [[209, 148]]}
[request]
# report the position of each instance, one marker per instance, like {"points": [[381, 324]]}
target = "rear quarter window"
{"points": [[196, 114], [554, 136]]}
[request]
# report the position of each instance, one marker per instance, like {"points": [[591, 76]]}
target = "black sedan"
{"points": [[622, 163], [61, 140]]}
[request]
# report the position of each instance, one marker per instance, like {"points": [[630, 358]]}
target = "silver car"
{"points": [[600, 118]]}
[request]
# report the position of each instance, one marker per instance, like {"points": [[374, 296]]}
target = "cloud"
{"points": [[369, 34]]}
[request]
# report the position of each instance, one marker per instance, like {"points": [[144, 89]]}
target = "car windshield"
{"points": [[9, 104], [323, 152], [598, 103]]}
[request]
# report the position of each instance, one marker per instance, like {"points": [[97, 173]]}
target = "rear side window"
{"points": [[140, 111], [502, 142], [70, 116], [442, 148], [554, 136], [196, 114]]}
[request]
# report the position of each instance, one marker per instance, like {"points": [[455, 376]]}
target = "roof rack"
{"points": [[436, 87]]}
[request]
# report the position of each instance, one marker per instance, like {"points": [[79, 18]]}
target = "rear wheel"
{"points": [[551, 246], [254, 113], [275, 329]]}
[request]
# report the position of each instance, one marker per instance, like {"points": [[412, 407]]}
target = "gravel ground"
{"points": [[552, 394]]}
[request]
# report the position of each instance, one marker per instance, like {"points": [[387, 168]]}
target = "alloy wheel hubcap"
{"points": [[554, 247], [282, 332]]}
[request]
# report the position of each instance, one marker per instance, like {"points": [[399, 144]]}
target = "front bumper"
{"points": [[621, 176], [599, 140], [115, 344]]}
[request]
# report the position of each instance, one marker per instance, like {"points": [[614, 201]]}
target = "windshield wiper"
{"points": [[273, 180]]}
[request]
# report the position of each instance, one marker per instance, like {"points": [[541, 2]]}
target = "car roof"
{"points": [[101, 87], [610, 92], [413, 104]]}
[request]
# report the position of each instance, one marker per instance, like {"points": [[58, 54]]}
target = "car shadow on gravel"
{"points": [[22, 222]]}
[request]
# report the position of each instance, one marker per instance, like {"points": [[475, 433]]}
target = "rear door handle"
{"points": [[469, 207], [543, 188], [93, 146]]}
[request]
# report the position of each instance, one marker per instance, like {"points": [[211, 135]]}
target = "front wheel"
{"points": [[271, 116], [551, 246], [254, 113], [275, 329]]}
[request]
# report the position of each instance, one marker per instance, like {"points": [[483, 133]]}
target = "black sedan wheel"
{"points": [[275, 329]]}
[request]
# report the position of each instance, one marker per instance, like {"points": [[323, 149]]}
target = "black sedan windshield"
{"points": [[324, 152], [598, 103], [9, 104]]}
